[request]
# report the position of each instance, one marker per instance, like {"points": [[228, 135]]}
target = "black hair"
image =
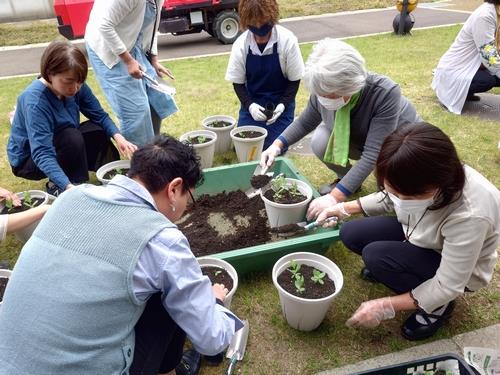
{"points": [[165, 158], [496, 2], [417, 158]]}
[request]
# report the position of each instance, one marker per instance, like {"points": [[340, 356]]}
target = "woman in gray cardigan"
{"points": [[442, 241], [351, 112]]}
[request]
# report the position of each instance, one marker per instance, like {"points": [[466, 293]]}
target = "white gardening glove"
{"points": [[267, 157], [371, 313], [337, 210], [257, 112], [320, 204], [280, 108]]}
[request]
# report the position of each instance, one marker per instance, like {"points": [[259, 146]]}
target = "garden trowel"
{"points": [[236, 349], [290, 230], [159, 84], [260, 178]]}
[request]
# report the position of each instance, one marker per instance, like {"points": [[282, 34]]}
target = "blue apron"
{"points": [[266, 83]]}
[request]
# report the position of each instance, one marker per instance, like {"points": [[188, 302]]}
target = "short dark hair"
{"points": [[165, 158], [417, 158], [61, 56], [496, 2], [252, 12]]}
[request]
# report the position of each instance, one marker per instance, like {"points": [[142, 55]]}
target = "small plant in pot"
{"points": [[220, 272], [248, 142], [29, 199], [221, 125], [203, 142], [307, 283], [286, 201], [106, 172]]}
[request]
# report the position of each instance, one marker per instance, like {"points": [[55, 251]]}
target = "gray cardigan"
{"points": [[380, 110]]}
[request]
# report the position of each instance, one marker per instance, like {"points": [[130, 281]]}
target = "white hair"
{"points": [[334, 67]]}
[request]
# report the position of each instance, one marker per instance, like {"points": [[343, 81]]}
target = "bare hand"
{"points": [[134, 69], [220, 291], [6, 194], [125, 147]]}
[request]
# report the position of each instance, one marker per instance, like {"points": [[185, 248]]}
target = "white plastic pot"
{"points": [[214, 262], [121, 164], [5, 274], [279, 214], [224, 142], [204, 150], [25, 233], [248, 149], [302, 313]]}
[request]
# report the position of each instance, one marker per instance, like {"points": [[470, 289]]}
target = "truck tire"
{"points": [[227, 26]]}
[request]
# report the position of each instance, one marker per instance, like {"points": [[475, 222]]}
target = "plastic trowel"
{"points": [[297, 228]]}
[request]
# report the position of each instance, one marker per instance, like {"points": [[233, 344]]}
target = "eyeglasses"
{"points": [[192, 198]]}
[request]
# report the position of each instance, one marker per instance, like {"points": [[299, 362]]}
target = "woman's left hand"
{"points": [[125, 147], [160, 69]]}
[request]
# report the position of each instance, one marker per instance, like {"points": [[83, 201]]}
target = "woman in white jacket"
{"points": [[472, 64], [442, 241], [121, 40]]}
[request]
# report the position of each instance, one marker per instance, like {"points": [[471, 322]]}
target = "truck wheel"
{"points": [[227, 26]]}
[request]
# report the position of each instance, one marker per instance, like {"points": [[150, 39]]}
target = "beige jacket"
{"points": [[466, 233]]}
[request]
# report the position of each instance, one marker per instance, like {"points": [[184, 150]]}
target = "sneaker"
{"points": [[327, 188], [367, 275], [214, 360], [53, 189], [473, 98], [190, 363], [421, 325]]}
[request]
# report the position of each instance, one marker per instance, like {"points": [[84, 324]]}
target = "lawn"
{"points": [[273, 347]]}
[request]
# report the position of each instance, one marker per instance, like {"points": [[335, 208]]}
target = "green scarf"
{"points": [[337, 151]]}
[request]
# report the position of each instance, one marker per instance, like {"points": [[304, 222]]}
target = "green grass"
{"points": [[273, 347], [21, 33]]}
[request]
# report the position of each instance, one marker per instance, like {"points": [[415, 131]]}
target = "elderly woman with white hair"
{"points": [[351, 112]]}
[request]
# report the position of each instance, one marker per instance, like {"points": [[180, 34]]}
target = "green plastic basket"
{"points": [[255, 258]]}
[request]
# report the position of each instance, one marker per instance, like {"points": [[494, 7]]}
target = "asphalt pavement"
{"points": [[25, 60]]}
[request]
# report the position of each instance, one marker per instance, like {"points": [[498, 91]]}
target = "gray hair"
{"points": [[334, 67]]}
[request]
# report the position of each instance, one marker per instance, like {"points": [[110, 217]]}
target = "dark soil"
{"points": [[218, 275], [248, 134], [199, 139], [112, 173], [23, 207], [260, 180], [226, 221], [219, 124], [312, 290], [285, 198], [288, 229], [3, 285], [269, 110]]}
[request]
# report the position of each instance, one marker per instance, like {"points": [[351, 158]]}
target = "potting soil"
{"points": [[226, 221], [199, 139], [219, 124], [285, 198], [218, 275], [3, 285], [112, 173], [259, 180], [312, 290], [248, 134]]}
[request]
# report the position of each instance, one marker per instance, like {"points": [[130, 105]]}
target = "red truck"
{"points": [[217, 17]]}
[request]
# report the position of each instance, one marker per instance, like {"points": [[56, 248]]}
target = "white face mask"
{"points": [[332, 104], [410, 206]]}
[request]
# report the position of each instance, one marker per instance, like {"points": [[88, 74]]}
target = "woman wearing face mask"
{"points": [[47, 139], [351, 111], [265, 68], [442, 241]]}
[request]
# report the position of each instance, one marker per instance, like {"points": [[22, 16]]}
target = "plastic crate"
{"points": [[418, 367]]}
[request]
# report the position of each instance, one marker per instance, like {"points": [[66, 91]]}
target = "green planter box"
{"points": [[254, 258]]}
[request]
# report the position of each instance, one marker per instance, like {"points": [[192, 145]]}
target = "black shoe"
{"points": [[214, 360], [53, 189], [421, 325], [327, 188], [473, 98], [190, 363], [367, 275]]}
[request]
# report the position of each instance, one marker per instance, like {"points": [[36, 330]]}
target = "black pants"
{"points": [[483, 81], [159, 341], [399, 265], [78, 150]]}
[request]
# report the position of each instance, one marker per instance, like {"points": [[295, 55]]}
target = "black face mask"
{"points": [[261, 31]]}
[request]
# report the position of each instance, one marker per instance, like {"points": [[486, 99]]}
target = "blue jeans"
{"points": [[397, 264]]}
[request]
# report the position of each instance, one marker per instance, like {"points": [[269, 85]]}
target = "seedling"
{"points": [[9, 204], [28, 200], [299, 284], [242, 135], [294, 269], [216, 273], [279, 186], [318, 277]]}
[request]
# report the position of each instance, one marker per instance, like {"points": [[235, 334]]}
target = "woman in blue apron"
{"points": [[265, 68], [139, 107]]}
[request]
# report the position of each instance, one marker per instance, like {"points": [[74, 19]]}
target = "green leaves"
{"points": [[299, 283], [318, 277]]}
